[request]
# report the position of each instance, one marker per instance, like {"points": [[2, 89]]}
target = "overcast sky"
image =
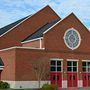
{"points": [[12, 10]]}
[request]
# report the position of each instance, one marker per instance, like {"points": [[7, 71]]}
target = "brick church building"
{"points": [[66, 42]]}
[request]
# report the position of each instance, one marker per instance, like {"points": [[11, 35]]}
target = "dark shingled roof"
{"points": [[39, 33], [1, 62], [8, 27]]}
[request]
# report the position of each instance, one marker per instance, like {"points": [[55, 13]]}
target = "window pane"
{"points": [[88, 69], [83, 63], [89, 64], [53, 62], [53, 68], [74, 63], [74, 69], [69, 69], [58, 68], [69, 63], [84, 69], [59, 63]]}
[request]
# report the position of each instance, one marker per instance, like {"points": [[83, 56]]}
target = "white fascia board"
{"points": [[32, 40], [21, 48], [15, 26]]}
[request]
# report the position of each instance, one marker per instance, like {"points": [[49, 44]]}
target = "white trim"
{"points": [[72, 48], [1, 66], [72, 60], [62, 20], [64, 83], [22, 21], [55, 24], [15, 26], [77, 63], [86, 60], [40, 43], [52, 26], [32, 40], [80, 83], [57, 59], [25, 84], [21, 48]]}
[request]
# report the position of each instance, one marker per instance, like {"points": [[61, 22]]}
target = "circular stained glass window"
{"points": [[72, 38]]}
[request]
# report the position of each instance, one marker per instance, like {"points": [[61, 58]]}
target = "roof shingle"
{"points": [[8, 27], [39, 33]]}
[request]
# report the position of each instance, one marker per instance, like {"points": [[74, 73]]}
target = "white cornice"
{"points": [[32, 48]]}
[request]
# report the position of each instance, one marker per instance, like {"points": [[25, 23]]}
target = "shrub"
{"points": [[49, 87], [4, 85]]}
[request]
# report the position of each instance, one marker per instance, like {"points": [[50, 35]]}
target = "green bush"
{"points": [[4, 85], [49, 87]]}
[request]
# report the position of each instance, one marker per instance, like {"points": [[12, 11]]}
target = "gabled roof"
{"points": [[1, 62], [72, 15], [39, 33], [8, 27]]}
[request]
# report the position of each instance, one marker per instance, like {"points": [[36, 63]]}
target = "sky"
{"points": [[12, 10]]}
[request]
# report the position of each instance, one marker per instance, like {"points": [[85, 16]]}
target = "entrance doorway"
{"points": [[86, 73], [56, 72], [72, 73]]}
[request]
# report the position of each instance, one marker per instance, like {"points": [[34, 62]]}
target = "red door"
{"points": [[56, 78], [86, 79], [72, 79], [72, 74], [86, 73], [56, 72]]}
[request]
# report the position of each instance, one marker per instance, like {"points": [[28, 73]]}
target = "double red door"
{"points": [[72, 79], [56, 78], [72, 70], [86, 79]]}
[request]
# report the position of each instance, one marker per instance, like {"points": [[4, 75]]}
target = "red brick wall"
{"points": [[24, 58], [54, 38], [22, 31], [8, 58], [18, 62], [35, 44]]}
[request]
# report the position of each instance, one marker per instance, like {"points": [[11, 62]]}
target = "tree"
{"points": [[41, 69]]}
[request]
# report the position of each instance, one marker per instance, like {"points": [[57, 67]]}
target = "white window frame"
{"points": [[78, 36], [71, 66], [57, 59], [86, 66]]}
